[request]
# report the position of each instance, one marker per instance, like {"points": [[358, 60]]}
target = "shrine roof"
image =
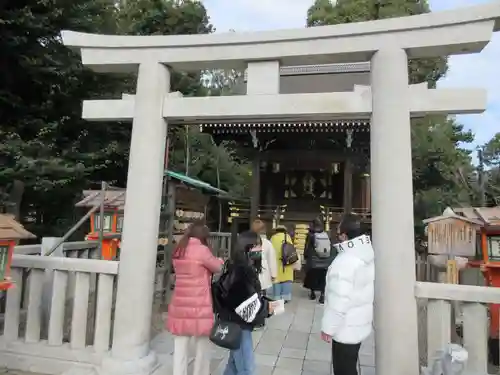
{"points": [[318, 78], [297, 126], [195, 182], [112, 198], [452, 216], [351, 67], [116, 198], [487, 215], [10, 229]]}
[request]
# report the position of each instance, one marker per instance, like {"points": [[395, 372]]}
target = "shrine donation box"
{"points": [[10, 233]]}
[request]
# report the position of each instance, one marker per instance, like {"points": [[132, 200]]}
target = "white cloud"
{"points": [[247, 15], [477, 70]]}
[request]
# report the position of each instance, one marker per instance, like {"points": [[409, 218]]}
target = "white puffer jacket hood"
{"points": [[349, 293]]}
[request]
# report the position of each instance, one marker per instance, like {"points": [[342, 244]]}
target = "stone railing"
{"points": [[220, 243], [52, 319], [28, 249], [81, 249], [76, 249], [458, 314]]}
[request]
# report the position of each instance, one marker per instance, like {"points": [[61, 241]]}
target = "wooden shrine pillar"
{"points": [[348, 185], [365, 193], [255, 187]]}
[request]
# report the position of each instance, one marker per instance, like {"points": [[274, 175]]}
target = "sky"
{"points": [[466, 71]]}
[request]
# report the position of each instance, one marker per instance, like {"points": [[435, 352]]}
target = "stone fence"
{"points": [[50, 330], [60, 312], [438, 302], [220, 242]]}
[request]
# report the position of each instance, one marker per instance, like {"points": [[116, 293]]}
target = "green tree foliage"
{"points": [[45, 145], [441, 168], [192, 152], [196, 154], [491, 152], [324, 12], [43, 84]]}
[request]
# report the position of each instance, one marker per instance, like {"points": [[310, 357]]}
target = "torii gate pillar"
{"points": [[392, 201], [131, 352]]}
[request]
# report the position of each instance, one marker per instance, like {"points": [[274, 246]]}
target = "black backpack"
{"points": [[220, 288], [288, 253]]}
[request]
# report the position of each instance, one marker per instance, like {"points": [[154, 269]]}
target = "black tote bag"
{"points": [[226, 334]]}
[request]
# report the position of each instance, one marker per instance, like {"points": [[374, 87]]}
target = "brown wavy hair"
{"points": [[197, 229]]}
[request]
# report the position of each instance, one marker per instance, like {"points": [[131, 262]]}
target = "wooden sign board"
{"points": [[451, 272], [452, 236]]}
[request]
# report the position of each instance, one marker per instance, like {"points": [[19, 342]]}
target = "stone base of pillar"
{"points": [[77, 370], [114, 366]]}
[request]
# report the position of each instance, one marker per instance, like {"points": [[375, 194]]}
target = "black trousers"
{"points": [[345, 358]]}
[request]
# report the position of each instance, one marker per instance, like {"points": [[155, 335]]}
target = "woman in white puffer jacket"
{"points": [[269, 266], [348, 313]]}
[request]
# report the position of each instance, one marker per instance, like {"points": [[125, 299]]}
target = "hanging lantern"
{"points": [[335, 168]]}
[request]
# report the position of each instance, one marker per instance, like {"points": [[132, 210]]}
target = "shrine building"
{"points": [[305, 169]]}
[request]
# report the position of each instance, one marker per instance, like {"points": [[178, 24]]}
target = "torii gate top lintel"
{"points": [[464, 30]]}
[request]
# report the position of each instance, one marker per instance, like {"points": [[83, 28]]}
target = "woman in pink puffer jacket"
{"points": [[190, 312]]}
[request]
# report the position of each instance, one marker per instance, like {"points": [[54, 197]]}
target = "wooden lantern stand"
{"points": [[185, 200], [488, 261], [110, 244], [490, 267], [10, 233]]}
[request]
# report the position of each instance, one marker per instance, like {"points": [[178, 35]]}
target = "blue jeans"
{"points": [[282, 291], [242, 360]]}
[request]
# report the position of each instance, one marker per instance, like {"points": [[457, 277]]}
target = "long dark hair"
{"points": [[198, 230], [245, 242]]}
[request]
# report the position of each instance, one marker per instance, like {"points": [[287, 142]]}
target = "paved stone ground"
{"points": [[4, 371], [290, 344]]}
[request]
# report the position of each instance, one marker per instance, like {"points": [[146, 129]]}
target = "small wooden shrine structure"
{"points": [[10, 233], [449, 236], [452, 234], [298, 166], [186, 200], [485, 241]]}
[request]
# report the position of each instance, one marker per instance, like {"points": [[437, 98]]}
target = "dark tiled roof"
{"points": [[93, 197], [297, 126], [487, 215], [10, 229]]}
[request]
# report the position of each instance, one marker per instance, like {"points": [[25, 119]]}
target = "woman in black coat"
{"points": [[318, 253], [243, 302]]}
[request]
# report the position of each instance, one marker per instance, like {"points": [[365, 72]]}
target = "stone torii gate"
{"points": [[390, 101]]}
